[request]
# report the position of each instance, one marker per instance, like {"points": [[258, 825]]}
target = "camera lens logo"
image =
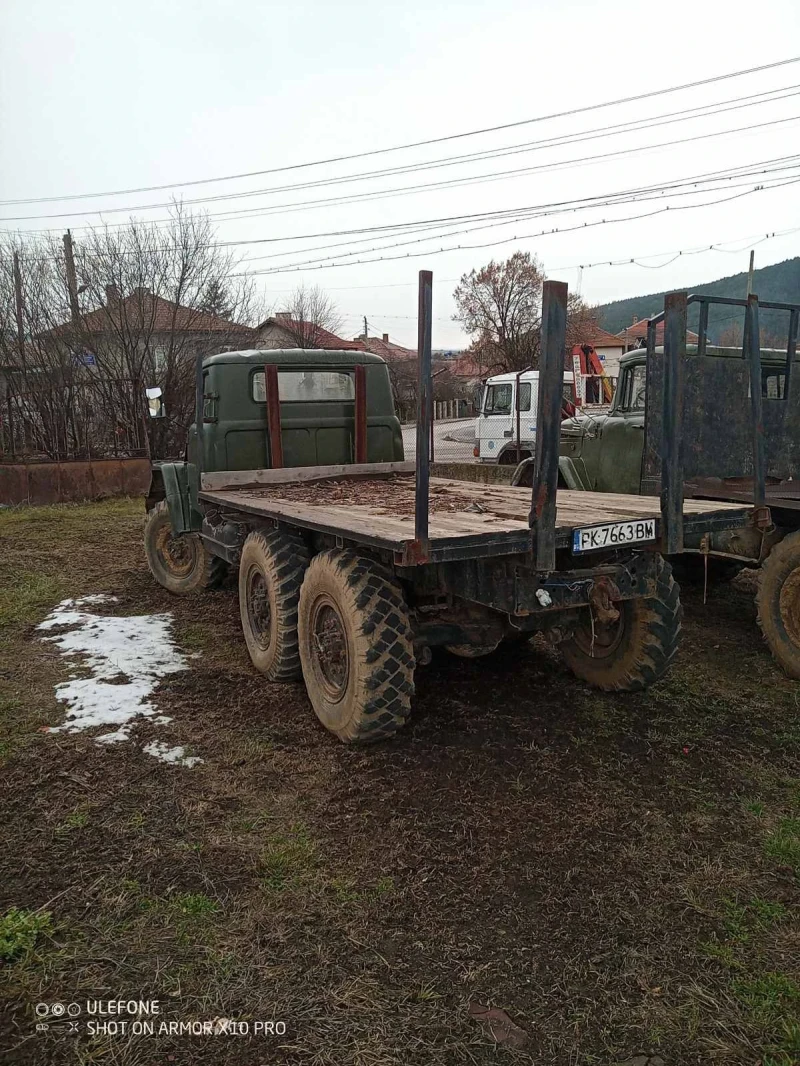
{"points": [[41, 1010], [57, 1009], [73, 1010]]}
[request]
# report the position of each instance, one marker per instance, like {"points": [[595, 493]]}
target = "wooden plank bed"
{"points": [[466, 519]]}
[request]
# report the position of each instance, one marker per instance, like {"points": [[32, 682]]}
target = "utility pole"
{"points": [[750, 272], [365, 327], [72, 281], [19, 307]]}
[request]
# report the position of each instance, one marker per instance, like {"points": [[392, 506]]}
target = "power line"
{"points": [[295, 268], [451, 183], [580, 136], [520, 213], [452, 232], [414, 144]]}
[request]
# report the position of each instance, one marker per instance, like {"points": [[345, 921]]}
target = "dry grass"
{"points": [[619, 874]]}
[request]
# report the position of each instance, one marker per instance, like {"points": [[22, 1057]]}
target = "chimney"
{"points": [[112, 295], [386, 338], [283, 316]]}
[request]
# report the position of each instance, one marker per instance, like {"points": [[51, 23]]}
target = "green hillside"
{"points": [[779, 283]]}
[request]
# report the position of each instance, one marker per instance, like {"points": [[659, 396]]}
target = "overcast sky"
{"points": [[108, 96]]}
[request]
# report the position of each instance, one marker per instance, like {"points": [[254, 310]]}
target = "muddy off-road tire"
{"points": [[355, 646], [270, 575], [778, 603], [179, 562], [636, 650]]}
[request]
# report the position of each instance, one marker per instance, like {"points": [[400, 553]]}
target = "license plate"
{"points": [[592, 538]]}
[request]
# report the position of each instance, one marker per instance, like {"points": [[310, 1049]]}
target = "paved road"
{"points": [[453, 441]]}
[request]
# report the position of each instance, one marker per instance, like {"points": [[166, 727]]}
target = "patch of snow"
{"points": [[162, 751], [127, 657]]}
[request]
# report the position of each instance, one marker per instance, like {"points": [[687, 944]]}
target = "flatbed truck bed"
{"points": [[349, 575], [467, 520]]}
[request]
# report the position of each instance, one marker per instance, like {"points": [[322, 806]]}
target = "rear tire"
{"points": [[355, 646], [630, 654], [778, 603], [181, 563], [270, 575]]}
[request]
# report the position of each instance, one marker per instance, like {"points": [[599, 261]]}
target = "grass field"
{"points": [[621, 875]]}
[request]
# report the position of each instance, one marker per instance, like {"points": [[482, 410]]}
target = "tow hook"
{"points": [[601, 600]]}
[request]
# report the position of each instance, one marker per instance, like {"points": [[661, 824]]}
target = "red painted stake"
{"points": [[273, 416], [361, 415]]}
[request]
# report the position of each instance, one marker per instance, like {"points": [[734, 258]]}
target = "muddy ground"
{"points": [[618, 874]]}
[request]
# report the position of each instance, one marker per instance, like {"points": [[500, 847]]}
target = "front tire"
{"points": [[270, 575], [631, 653], [355, 646], [778, 603], [180, 562]]}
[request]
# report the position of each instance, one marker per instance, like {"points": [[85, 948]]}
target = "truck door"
{"points": [[622, 437], [494, 428]]}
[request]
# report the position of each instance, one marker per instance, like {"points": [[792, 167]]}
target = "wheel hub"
{"points": [[329, 648], [175, 552], [258, 608], [598, 637]]}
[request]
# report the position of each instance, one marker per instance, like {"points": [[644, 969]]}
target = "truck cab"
{"points": [[496, 424], [317, 401], [602, 451]]}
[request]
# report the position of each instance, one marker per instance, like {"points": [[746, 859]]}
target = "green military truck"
{"points": [[607, 453], [353, 563]]}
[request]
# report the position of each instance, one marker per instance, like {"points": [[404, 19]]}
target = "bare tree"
{"points": [[309, 311], [150, 300], [43, 411], [500, 307], [581, 320]]}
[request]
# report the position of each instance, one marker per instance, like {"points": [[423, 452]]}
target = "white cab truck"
{"points": [[496, 424]]}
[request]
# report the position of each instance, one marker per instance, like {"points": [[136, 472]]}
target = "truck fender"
{"points": [[570, 473], [567, 477], [170, 482]]}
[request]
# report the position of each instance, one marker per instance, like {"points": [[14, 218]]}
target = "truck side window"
{"points": [[633, 389], [304, 386], [773, 384], [498, 399], [525, 396]]}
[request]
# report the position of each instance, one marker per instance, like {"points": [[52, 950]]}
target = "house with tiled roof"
{"points": [[387, 349], [283, 331], [635, 335], [609, 348], [150, 325]]}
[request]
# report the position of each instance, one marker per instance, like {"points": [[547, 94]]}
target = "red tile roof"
{"points": [[157, 315], [386, 349], [599, 338], [321, 338], [638, 331]]}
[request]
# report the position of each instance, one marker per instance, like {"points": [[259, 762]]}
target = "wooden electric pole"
{"points": [[365, 327], [72, 281], [19, 307], [750, 273]]}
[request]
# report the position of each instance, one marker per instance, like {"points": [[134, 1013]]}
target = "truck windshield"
{"points": [[500, 398], [304, 386]]}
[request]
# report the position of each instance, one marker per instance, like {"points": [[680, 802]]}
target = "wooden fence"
{"points": [[72, 480]]}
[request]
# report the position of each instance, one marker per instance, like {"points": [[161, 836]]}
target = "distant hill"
{"points": [[779, 283]]}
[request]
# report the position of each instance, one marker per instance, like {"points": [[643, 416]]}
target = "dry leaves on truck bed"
{"points": [[386, 496]]}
